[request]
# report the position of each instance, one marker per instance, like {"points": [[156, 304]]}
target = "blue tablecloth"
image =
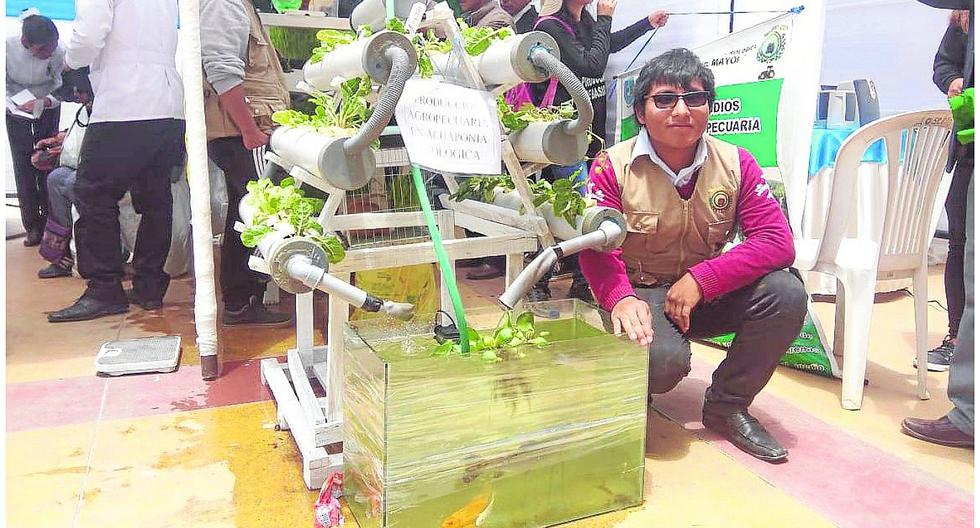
{"points": [[824, 144]]}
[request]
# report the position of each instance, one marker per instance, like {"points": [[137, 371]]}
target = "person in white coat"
{"points": [[134, 142]]}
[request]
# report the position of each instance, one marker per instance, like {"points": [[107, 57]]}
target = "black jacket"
{"points": [[525, 24], [950, 58], [586, 54]]}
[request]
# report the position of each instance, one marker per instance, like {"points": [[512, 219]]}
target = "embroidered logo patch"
{"points": [[720, 200]]}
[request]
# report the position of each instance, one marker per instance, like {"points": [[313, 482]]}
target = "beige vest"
{"points": [[666, 235], [265, 85]]}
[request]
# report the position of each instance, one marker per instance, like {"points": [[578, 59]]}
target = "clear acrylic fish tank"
{"points": [[547, 434]]}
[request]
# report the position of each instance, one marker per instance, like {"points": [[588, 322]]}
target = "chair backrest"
{"points": [[916, 144]]}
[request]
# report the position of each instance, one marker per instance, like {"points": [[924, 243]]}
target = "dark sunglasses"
{"points": [[668, 100]]}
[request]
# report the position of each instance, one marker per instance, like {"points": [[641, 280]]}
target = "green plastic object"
{"points": [[962, 108], [534, 440], [448, 273], [285, 5], [806, 353]]}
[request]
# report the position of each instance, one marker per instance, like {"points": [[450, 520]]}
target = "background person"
{"points": [[956, 428], [134, 139], [947, 74], [684, 194], [34, 63], [244, 86], [585, 44]]}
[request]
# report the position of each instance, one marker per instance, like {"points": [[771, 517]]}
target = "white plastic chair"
{"points": [[897, 243]]}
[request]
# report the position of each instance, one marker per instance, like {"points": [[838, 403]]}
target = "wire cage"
{"points": [[390, 190]]}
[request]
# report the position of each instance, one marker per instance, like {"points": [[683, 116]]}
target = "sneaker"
{"points": [[255, 314], [939, 357]]}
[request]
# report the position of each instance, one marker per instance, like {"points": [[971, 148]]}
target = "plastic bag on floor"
{"points": [[326, 511]]}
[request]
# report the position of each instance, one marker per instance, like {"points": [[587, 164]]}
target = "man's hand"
{"points": [[51, 142], [955, 87], [681, 299], [631, 315], [255, 138], [606, 8], [658, 18]]}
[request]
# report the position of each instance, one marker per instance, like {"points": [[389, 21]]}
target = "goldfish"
{"points": [[472, 514]]}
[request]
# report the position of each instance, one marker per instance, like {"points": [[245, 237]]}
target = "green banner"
{"points": [[743, 114]]}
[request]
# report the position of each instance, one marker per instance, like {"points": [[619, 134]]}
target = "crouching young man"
{"points": [[684, 195]]}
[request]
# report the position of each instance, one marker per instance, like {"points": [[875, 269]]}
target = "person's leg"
{"points": [[241, 288], [956, 428], [21, 137], [766, 317], [153, 200], [670, 352], [110, 157], [238, 282], [961, 373], [46, 126], [57, 230]]}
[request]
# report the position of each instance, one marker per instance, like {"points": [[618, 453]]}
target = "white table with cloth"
{"points": [[872, 182]]}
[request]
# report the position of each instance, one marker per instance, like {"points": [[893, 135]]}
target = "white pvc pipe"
{"points": [[205, 302]]}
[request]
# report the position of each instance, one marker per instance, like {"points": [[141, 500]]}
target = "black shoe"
{"points": [[53, 271], [86, 308], [746, 433], [33, 238], [580, 290], [255, 314], [146, 304], [939, 357]]}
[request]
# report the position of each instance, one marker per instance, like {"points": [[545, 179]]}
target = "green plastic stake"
{"points": [[448, 273]]}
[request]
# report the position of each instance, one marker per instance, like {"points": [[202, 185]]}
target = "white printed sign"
{"points": [[448, 128]]}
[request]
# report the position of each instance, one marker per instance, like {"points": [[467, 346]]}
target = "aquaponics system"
{"points": [[530, 414]]}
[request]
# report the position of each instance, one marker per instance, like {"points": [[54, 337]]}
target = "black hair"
{"points": [[679, 66], [39, 30]]}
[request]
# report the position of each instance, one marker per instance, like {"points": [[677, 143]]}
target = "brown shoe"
{"points": [[940, 431], [485, 271]]}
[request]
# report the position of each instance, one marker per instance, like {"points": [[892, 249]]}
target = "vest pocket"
{"points": [[642, 222], [720, 233], [258, 50]]}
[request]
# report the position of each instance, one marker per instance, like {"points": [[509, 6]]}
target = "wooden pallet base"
{"points": [[311, 436]]}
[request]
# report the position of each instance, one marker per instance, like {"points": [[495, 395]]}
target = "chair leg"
{"points": [[859, 286], [840, 301], [920, 286]]}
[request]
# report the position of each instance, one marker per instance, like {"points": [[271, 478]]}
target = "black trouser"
{"points": [[32, 190], [134, 156], [956, 214], [240, 165], [766, 317]]}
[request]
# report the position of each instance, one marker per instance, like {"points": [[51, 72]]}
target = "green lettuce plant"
{"points": [[517, 120], [564, 195], [337, 114], [509, 335], [285, 208]]}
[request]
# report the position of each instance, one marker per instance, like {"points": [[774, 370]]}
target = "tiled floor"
{"points": [[173, 450]]}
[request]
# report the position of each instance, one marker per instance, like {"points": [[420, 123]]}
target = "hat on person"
{"points": [[550, 7]]}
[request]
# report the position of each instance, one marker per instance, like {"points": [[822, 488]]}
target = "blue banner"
{"points": [[53, 9]]}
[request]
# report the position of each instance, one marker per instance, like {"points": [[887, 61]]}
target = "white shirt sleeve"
{"points": [[92, 25]]}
